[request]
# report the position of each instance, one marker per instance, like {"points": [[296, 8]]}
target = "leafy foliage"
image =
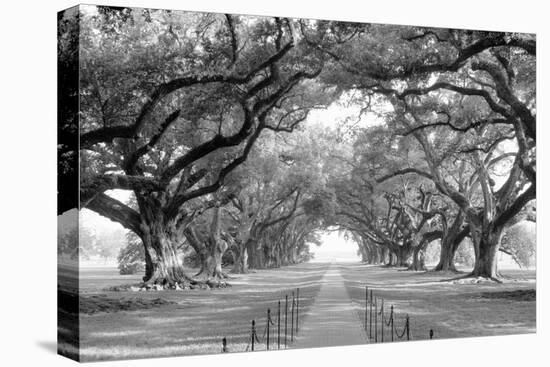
{"points": [[131, 258], [520, 242]]}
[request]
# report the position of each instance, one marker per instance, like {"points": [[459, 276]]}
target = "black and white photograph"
{"points": [[248, 185], [234, 183]]}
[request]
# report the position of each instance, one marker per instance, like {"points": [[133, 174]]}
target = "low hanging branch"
{"points": [[116, 211]]}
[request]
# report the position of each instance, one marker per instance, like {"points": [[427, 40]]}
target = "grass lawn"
{"points": [[452, 310], [194, 322], [197, 320]]}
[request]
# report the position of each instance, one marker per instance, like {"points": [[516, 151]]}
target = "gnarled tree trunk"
{"points": [[403, 255], [418, 261], [209, 248], [452, 237], [486, 244], [240, 266], [162, 264], [392, 259], [446, 255], [255, 255], [211, 261]]}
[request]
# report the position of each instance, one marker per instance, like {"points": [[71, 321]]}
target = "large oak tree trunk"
{"points": [[162, 264], [149, 269], [211, 260], [403, 255], [452, 237], [418, 261], [486, 245], [210, 249]]}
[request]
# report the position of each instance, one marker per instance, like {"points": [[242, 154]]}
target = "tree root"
{"points": [[435, 270], [475, 279]]}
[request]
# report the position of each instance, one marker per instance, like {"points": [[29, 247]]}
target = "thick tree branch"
{"points": [[517, 205], [102, 183], [141, 151], [404, 172], [116, 211], [234, 46]]}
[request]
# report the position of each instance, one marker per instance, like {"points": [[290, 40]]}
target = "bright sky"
{"points": [[330, 117], [335, 248]]}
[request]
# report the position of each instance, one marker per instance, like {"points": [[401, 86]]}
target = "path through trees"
{"points": [[214, 124]]}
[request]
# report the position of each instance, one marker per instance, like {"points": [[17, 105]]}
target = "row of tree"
{"points": [[261, 218], [80, 242], [454, 152], [171, 104], [201, 117]]}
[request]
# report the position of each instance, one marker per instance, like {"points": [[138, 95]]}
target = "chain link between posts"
{"points": [[386, 320], [253, 337]]}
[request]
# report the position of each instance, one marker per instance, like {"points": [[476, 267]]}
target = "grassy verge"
{"points": [[452, 310], [197, 320]]}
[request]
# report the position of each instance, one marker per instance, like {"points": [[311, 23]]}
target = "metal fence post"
{"points": [[366, 306], [391, 322], [375, 321], [382, 321], [297, 307], [252, 334], [286, 316], [292, 320], [407, 326], [370, 318], [268, 321], [279, 325]]}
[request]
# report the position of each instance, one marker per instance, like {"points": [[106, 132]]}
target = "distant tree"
{"points": [[171, 103], [465, 254], [131, 257], [67, 243], [109, 243], [87, 242], [520, 242]]}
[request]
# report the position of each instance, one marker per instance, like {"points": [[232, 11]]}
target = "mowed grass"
{"points": [[452, 310], [198, 320]]}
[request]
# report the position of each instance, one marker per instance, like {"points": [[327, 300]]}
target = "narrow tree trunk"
{"points": [[253, 254], [384, 255], [403, 254], [447, 255], [366, 256], [418, 263], [240, 266], [256, 255], [392, 259], [377, 255]]}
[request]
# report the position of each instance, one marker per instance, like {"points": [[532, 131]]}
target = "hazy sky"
{"points": [[336, 248], [337, 113]]}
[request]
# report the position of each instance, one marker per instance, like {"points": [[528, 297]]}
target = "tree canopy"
{"points": [[207, 120]]}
